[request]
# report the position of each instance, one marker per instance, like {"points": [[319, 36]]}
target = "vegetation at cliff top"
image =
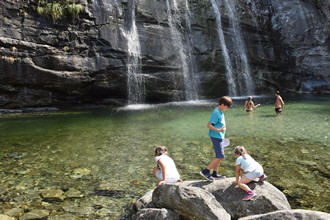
{"points": [[58, 9]]}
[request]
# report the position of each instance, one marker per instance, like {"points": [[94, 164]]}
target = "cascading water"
{"points": [[193, 76], [229, 73], [135, 81], [174, 21], [243, 73]]}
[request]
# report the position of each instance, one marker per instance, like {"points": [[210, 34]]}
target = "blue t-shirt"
{"points": [[218, 121]]}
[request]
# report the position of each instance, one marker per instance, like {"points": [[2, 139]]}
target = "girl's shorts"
{"points": [[253, 175]]}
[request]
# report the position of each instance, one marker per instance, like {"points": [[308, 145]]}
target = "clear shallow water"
{"points": [[108, 154]]}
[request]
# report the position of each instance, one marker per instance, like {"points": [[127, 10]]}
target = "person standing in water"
{"points": [[217, 128], [249, 105], [279, 103]]}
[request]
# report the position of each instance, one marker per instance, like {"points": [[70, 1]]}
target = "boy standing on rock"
{"points": [[217, 128]]}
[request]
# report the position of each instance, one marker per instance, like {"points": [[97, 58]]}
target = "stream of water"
{"points": [[228, 65], [243, 79], [107, 154], [135, 80], [182, 48]]}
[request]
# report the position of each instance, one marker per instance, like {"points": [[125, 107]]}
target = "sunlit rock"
{"points": [[35, 214], [53, 195]]}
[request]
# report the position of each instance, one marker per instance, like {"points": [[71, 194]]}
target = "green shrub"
{"points": [[54, 10], [58, 9], [40, 10], [74, 9]]}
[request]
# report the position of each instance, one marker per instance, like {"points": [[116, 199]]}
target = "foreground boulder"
{"points": [[190, 202], [268, 198], [211, 200]]}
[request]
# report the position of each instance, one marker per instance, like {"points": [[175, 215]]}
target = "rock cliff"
{"points": [[165, 50]]}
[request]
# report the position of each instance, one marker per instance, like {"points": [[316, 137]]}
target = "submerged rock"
{"points": [[54, 195], [35, 214], [6, 217]]}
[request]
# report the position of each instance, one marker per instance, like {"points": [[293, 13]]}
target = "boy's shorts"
{"points": [[218, 149], [278, 110]]}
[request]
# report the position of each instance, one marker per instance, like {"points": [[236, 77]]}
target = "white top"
{"points": [[172, 174], [248, 164]]}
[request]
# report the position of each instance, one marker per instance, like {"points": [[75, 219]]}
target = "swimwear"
{"points": [[278, 110]]}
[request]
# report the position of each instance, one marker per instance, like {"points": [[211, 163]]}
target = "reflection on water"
{"points": [[106, 156]]}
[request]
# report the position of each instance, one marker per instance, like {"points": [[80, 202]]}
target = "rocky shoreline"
{"points": [[187, 200]]}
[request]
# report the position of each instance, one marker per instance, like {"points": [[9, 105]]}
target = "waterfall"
{"points": [[135, 81], [229, 73], [193, 79], [176, 36], [243, 77]]}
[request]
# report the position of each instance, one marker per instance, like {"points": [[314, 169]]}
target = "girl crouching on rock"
{"points": [[251, 170], [166, 171]]}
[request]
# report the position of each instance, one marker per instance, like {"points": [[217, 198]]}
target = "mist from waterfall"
{"points": [[229, 73], [135, 80], [243, 73], [173, 13]]}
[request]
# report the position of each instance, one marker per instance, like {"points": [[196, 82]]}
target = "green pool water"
{"points": [[107, 154]]}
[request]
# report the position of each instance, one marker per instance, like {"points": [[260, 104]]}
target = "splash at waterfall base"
{"points": [[218, 200]]}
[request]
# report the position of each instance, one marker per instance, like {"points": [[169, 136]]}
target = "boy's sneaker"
{"points": [[249, 196], [218, 176], [207, 176], [262, 177]]}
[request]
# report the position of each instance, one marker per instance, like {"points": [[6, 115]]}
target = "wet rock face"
{"points": [[85, 60], [298, 32]]}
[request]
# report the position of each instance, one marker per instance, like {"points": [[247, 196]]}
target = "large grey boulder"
{"points": [[144, 202], [268, 199], [295, 214], [190, 202], [211, 200]]}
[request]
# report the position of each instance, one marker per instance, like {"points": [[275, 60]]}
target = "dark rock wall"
{"points": [[295, 40], [84, 60]]}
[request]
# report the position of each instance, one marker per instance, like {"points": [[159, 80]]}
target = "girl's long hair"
{"points": [[159, 150], [241, 151]]}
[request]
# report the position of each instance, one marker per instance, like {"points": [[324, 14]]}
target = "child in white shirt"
{"points": [[166, 171], [251, 169]]}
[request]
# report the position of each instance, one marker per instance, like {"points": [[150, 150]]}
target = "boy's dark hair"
{"points": [[277, 92], [226, 100]]}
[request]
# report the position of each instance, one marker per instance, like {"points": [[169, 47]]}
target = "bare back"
{"points": [[279, 102], [249, 105]]}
